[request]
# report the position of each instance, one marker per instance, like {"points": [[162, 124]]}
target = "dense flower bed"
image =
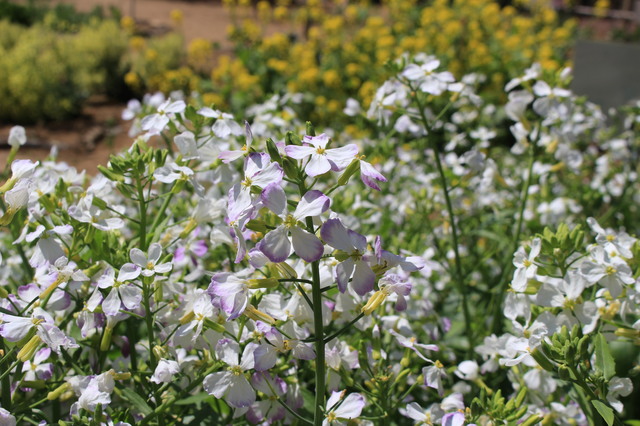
{"points": [[271, 273]]}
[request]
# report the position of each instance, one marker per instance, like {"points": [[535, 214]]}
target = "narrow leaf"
{"points": [[138, 402], [605, 411], [604, 360]]}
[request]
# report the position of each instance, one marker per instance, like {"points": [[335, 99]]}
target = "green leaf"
{"points": [[138, 402], [605, 411], [633, 422], [604, 360], [193, 399]]}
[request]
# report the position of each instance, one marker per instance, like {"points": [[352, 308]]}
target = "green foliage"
{"points": [[49, 74]]}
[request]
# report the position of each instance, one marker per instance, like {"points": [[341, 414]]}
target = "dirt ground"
{"points": [[89, 140]]}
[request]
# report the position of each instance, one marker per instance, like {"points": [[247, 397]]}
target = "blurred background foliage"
{"points": [[56, 57]]}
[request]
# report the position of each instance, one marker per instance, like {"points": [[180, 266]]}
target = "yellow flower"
{"points": [[177, 17]]}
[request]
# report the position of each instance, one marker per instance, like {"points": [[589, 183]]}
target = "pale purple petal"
{"points": [[138, 257], [265, 357], [275, 245], [131, 296], [343, 273], [342, 156], [275, 199], [240, 393], [363, 278], [306, 245], [351, 407], [216, 384], [313, 203], [111, 304], [129, 272], [298, 152], [335, 234], [318, 165]]}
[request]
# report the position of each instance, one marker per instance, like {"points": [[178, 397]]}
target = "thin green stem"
{"points": [[316, 296], [498, 298], [343, 329], [459, 276], [142, 206], [6, 383]]}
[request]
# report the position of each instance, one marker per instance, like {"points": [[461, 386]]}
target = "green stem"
{"points": [[343, 329], [6, 383], [160, 213], [459, 276], [506, 270], [316, 296], [142, 205]]}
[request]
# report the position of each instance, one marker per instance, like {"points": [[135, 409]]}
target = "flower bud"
{"points": [[120, 376], [28, 350], [291, 138], [272, 149], [542, 360], [283, 270], [190, 226], [159, 352], [262, 283], [212, 325], [374, 302], [532, 420], [290, 167], [187, 318], [351, 169], [311, 130], [257, 315], [105, 342], [57, 392], [109, 174]]}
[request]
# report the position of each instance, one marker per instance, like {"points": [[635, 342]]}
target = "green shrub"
{"points": [[49, 74]]}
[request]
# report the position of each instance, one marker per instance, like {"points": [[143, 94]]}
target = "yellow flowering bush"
{"points": [[340, 50], [47, 75]]}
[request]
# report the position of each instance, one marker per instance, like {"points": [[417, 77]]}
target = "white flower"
{"points": [[526, 269], [349, 408], [17, 136], [165, 370]]}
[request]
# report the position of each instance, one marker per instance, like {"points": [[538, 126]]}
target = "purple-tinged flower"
{"points": [[322, 159], [429, 81], [267, 409], [433, 376], [339, 409], [370, 175], [354, 245], [233, 293], [129, 294], [266, 356], [393, 283], [276, 245], [232, 383], [224, 126], [165, 370], [229, 156], [147, 266], [6, 418], [86, 212], [156, 123], [37, 369], [412, 343], [387, 260]]}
